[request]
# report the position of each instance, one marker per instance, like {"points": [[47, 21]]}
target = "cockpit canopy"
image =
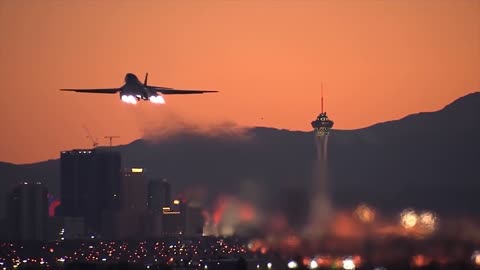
{"points": [[130, 77]]}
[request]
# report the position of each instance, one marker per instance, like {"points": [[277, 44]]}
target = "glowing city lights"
{"points": [[137, 170], [428, 220], [348, 264], [421, 224], [476, 258], [364, 213], [420, 260], [408, 219], [292, 265]]}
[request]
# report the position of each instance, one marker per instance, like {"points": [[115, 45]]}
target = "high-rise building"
{"points": [[129, 222], [65, 228], [173, 223], [109, 168], [134, 190], [159, 194], [194, 220], [89, 185], [28, 212], [185, 219], [154, 224], [76, 171]]}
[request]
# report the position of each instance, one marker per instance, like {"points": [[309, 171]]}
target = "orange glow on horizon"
{"points": [[378, 61]]}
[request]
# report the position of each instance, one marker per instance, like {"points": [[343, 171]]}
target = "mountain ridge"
{"points": [[391, 165]]}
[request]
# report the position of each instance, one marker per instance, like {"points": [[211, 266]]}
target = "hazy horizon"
{"points": [[377, 60]]}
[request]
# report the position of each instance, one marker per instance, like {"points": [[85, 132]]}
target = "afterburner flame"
{"points": [[133, 100], [129, 99], [157, 99]]}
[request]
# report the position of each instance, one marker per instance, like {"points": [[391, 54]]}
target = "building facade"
{"points": [[90, 184], [27, 212]]}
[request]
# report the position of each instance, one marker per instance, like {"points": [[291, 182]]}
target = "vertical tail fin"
{"points": [[146, 79]]}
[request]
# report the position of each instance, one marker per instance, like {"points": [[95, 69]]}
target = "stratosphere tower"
{"points": [[322, 124], [320, 208]]}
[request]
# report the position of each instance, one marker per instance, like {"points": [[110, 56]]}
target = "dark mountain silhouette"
{"points": [[426, 160]]}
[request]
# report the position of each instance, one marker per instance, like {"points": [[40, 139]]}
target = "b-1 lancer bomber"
{"points": [[133, 91]]}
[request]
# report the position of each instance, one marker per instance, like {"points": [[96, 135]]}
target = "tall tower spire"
{"points": [[322, 96], [322, 124]]}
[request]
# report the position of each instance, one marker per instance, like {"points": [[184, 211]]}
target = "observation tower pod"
{"points": [[322, 124]]}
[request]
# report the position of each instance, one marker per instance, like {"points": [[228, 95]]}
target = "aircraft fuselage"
{"points": [[133, 86], [134, 90]]}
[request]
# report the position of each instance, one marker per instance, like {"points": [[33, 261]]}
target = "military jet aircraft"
{"points": [[133, 90]]}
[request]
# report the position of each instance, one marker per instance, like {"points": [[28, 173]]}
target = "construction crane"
{"points": [[111, 137], [89, 135]]}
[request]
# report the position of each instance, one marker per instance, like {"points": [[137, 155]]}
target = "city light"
{"points": [[137, 170], [348, 264], [476, 258], [408, 219], [292, 265], [428, 221], [365, 214], [176, 202]]}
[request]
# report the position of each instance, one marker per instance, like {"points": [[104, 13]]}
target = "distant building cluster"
{"points": [[99, 199]]}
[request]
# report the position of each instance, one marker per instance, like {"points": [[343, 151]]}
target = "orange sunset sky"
{"points": [[379, 60]]}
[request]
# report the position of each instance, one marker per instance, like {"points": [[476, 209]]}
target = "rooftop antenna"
{"points": [[322, 95]]}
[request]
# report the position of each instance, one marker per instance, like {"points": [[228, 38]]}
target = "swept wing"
{"points": [[96, 91], [171, 91]]}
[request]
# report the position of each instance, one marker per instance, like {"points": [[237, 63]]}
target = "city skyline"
{"points": [[378, 61], [341, 134], [98, 199], [239, 215]]}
